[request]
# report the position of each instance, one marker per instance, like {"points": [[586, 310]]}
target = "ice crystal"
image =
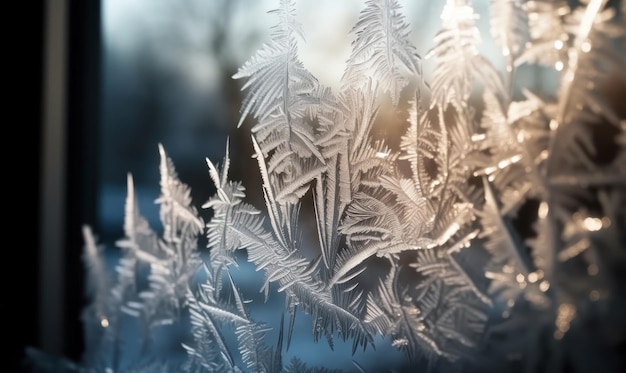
{"points": [[434, 220]]}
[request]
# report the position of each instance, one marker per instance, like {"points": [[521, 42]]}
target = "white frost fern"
{"points": [[418, 240]]}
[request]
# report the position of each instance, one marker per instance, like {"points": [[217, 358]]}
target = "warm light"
{"points": [[533, 277], [104, 323], [543, 210], [554, 125], [564, 318], [592, 224], [544, 286], [519, 278], [558, 65], [558, 44], [585, 46]]}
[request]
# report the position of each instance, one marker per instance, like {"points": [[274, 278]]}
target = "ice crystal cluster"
{"points": [[489, 235]]}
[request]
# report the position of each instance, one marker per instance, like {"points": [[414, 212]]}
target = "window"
{"points": [[125, 80]]}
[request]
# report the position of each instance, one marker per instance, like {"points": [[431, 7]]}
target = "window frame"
{"points": [[68, 169]]}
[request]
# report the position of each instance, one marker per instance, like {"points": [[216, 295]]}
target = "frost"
{"points": [[419, 240]]}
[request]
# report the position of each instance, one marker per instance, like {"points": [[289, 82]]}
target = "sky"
{"points": [[326, 25]]}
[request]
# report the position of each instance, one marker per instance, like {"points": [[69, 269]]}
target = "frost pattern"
{"points": [[433, 220]]}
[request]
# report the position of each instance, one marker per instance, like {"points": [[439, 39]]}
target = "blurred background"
{"points": [[118, 77]]}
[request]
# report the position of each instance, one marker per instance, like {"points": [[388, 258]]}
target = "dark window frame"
{"points": [[69, 94]]}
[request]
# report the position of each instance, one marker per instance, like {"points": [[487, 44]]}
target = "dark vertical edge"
{"points": [[82, 157], [51, 236], [25, 275]]}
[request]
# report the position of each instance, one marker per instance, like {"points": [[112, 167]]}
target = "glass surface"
{"points": [[166, 78]]}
